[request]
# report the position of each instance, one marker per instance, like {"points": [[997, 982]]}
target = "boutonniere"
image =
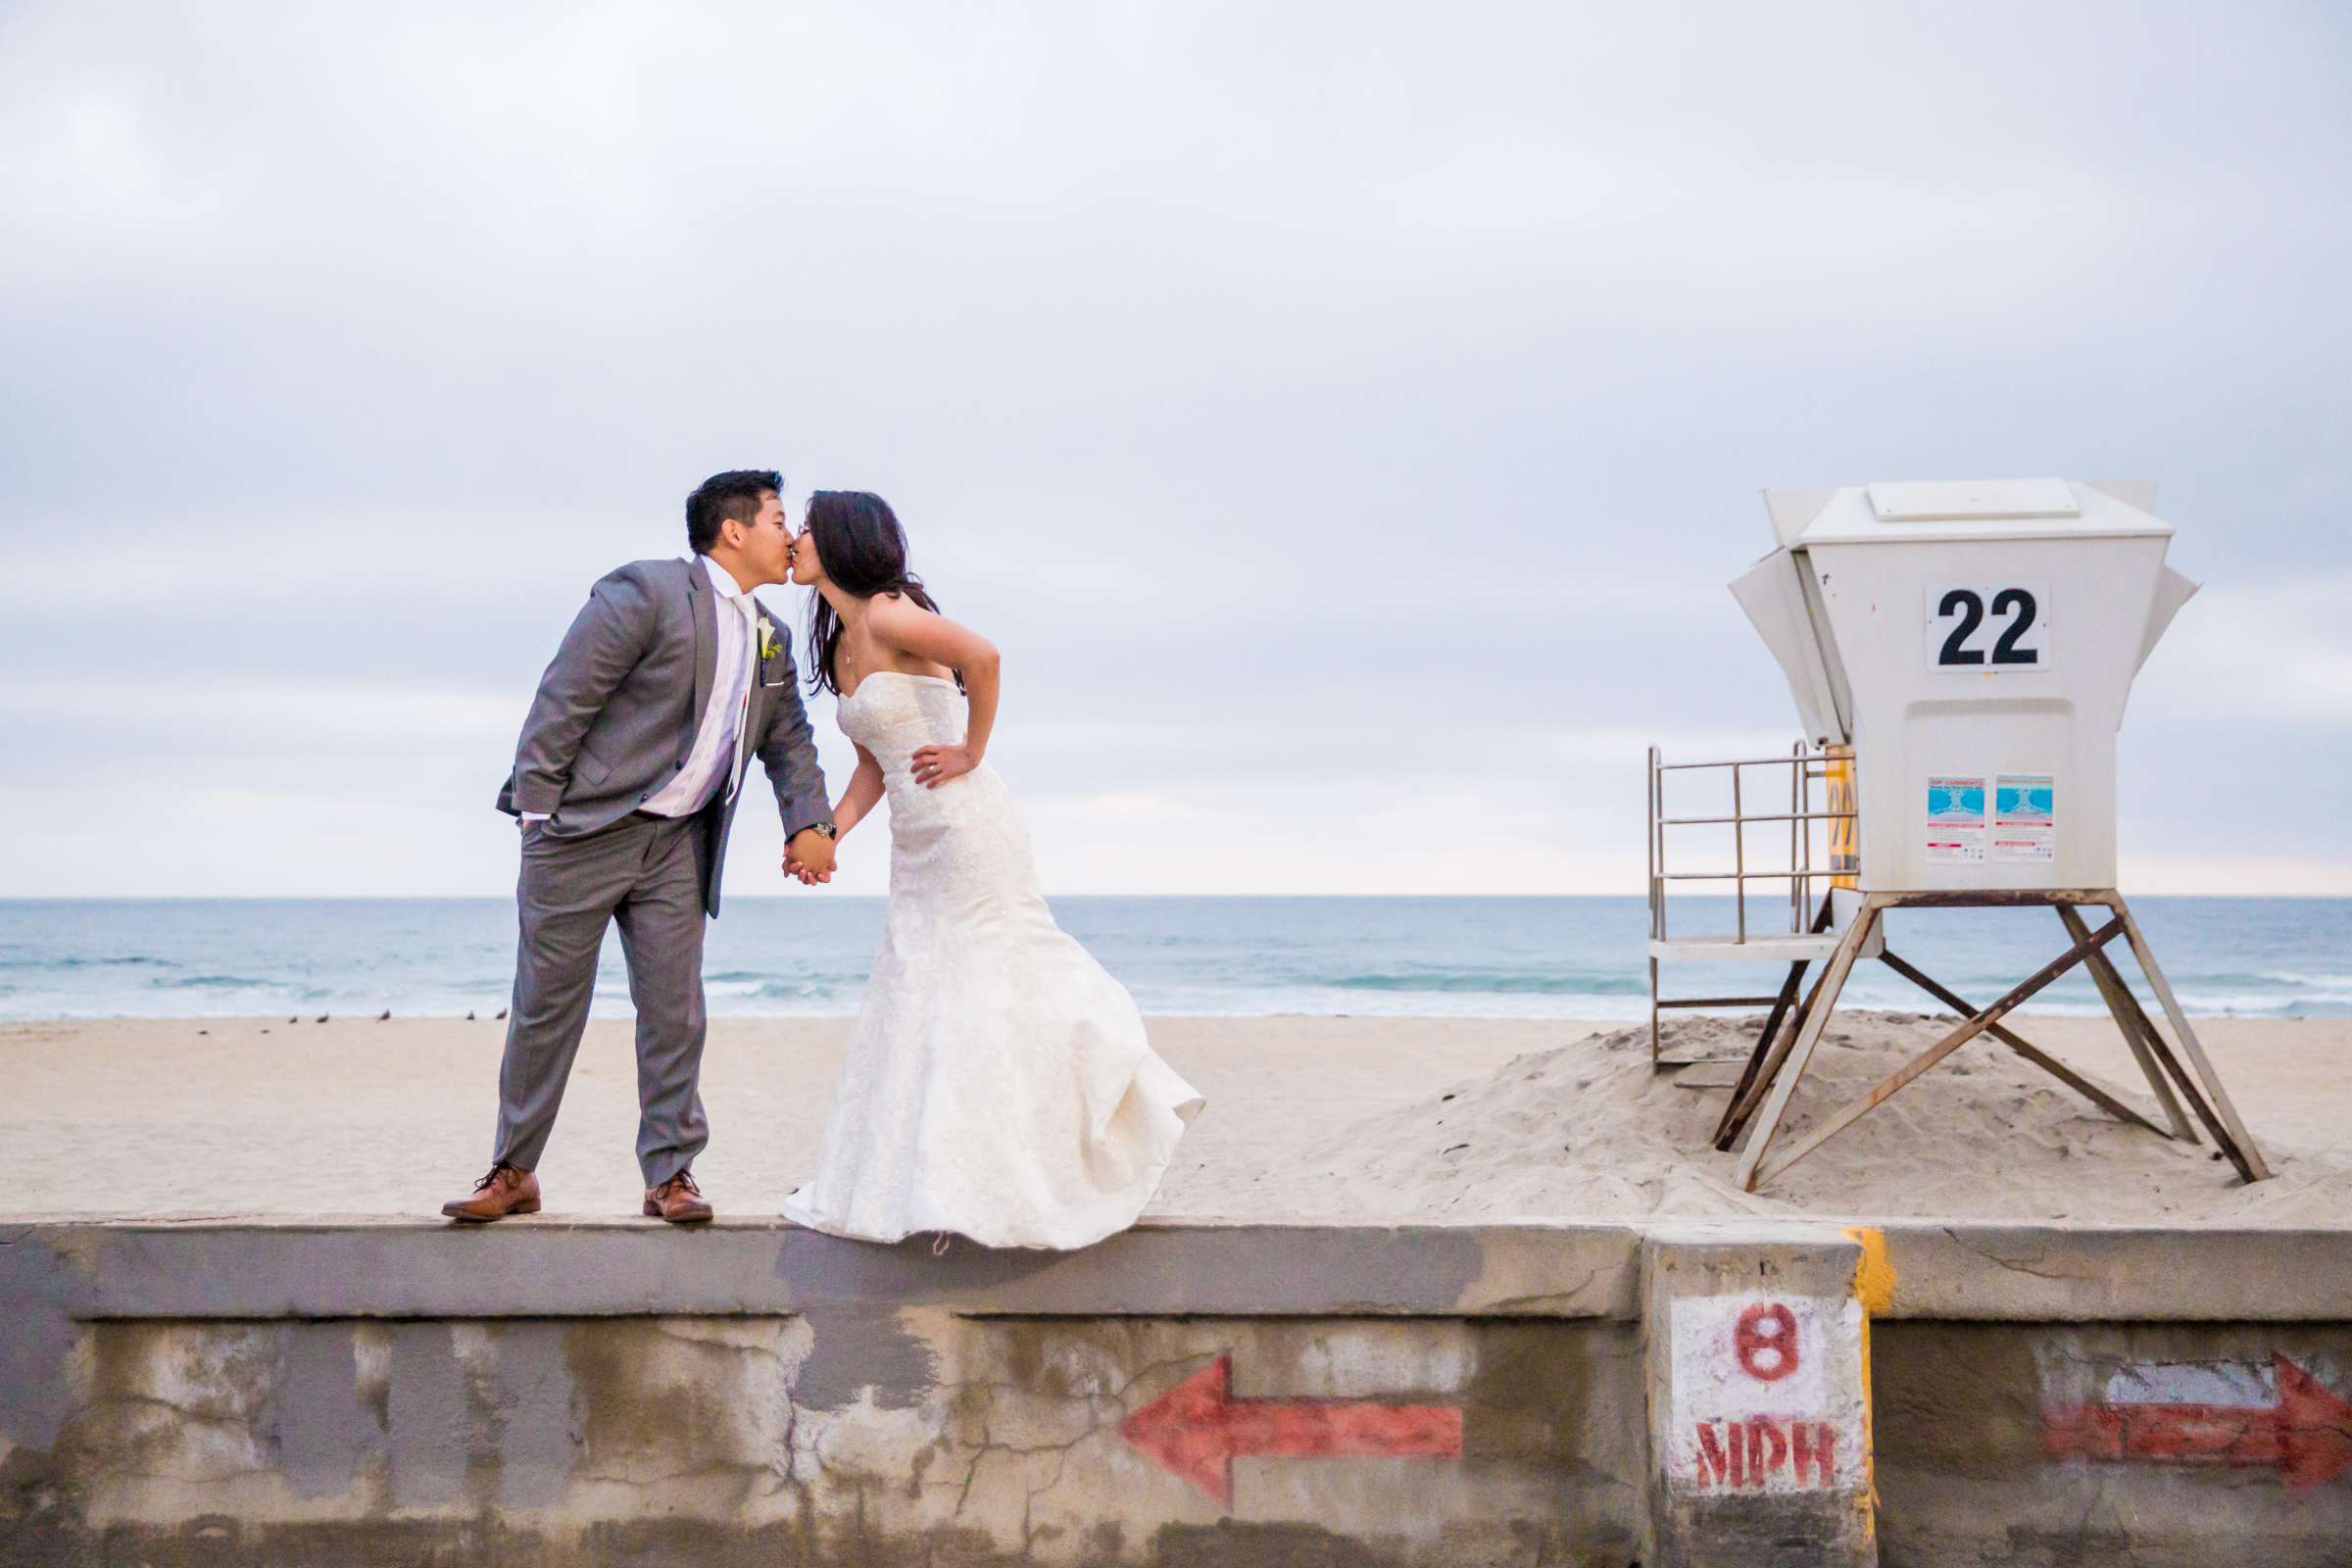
{"points": [[768, 638]]}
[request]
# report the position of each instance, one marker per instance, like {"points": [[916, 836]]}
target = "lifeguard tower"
{"points": [[1960, 655]]}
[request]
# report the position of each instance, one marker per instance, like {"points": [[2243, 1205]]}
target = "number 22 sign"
{"points": [[1988, 628]]}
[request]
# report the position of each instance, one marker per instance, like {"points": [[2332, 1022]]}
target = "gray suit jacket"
{"points": [[618, 707]]}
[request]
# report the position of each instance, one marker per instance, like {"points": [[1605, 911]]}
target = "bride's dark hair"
{"points": [[864, 550]]}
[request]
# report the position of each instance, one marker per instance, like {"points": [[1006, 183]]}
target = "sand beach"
{"points": [[1366, 1120]]}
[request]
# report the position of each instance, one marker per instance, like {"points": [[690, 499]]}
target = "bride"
{"points": [[997, 1083]]}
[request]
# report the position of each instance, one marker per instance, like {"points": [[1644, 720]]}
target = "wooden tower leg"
{"points": [[1722, 1135], [1771, 1045], [2240, 1147], [1808, 1036], [2126, 1012], [1742, 1107], [2136, 1017]]}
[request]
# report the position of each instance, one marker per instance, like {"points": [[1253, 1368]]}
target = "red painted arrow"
{"points": [[2306, 1437], [1198, 1430]]}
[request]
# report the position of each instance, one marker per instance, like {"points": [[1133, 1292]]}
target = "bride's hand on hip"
{"points": [[934, 765]]}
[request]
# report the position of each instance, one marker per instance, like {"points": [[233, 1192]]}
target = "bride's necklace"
{"points": [[845, 663]]}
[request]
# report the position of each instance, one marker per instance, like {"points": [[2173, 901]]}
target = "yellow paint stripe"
{"points": [[1874, 1288], [1874, 1276]]}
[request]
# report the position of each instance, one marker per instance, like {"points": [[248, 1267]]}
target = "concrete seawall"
{"points": [[230, 1391]]}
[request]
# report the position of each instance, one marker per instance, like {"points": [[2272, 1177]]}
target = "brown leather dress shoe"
{"points": [[677, 1201], [505, 1191]]}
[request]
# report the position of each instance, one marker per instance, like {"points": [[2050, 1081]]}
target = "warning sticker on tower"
{"points": [[2025, 821], [1955, 830]]}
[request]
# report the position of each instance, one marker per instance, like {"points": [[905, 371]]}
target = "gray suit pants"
{"points": [[647, 875]]}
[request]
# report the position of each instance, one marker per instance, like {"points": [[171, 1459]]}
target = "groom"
{"points": [[625, 780]]}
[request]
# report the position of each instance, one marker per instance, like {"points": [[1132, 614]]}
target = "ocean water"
{"points": [[1529, 957]]}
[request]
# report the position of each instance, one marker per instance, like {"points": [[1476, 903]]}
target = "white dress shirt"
{"points": [[715, 761]]}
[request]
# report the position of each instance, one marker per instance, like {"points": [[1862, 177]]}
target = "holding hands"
{"points": [[809, 858]]}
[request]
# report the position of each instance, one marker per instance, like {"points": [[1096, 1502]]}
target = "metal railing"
{"points": [[1807, 916], [1807, 765]]}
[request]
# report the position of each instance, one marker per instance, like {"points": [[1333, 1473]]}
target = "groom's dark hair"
{"points": [[732, 495]]}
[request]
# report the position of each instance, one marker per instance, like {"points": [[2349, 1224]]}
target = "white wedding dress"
{"points": [[997, 1083]]}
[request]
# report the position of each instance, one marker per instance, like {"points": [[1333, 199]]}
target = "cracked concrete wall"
{"points": [[2111, 1445], [979, 1440], [224, 1392]]}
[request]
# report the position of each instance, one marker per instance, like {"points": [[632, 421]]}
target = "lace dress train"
{"points": [[997, 1083]]}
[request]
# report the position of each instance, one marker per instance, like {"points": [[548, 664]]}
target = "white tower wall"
{"points": [[1976, 643]]}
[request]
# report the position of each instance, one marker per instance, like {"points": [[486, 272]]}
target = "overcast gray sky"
{"points": [[1345, 416]]}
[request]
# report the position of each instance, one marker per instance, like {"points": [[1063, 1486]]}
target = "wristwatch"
{"points": [[826, 828]]}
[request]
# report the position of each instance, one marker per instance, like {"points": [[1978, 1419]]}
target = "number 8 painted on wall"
{"points": [[1765, 1342]]}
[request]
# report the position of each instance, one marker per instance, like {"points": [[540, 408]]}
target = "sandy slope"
{"points": [[1587, 1129]]}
